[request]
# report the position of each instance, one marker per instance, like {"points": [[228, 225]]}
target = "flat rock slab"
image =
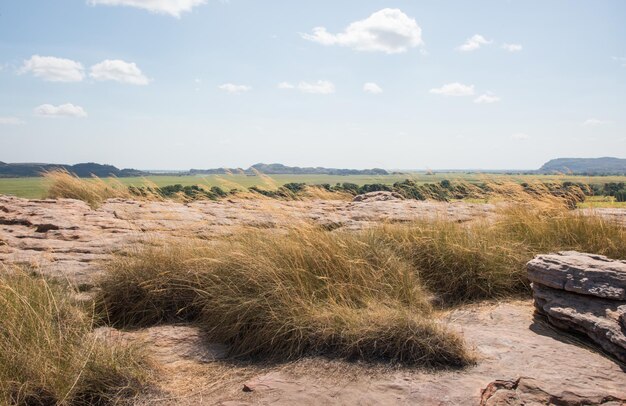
{"points": [[66, 238], [511, 344], [581, 273]]}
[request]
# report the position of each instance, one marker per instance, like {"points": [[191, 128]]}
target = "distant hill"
{"points": [[82, 170], [280, 169], [586, 166], [85, 170]]}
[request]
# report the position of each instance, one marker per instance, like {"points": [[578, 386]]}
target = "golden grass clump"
{"points": [[370, 294], [48, 355], [94, 192], [281, 296], [485, 258]]}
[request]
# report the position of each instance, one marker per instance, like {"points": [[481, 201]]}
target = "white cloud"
{"points": [[595, 122], [234, 89], [388, 30], [319, 87], [10, 121], [487, 98], [172, 7], [473, 43], [454, 89], [119, 71], [512, 47], [63, 110], [53, 69], [520, 136], [373, 88]]}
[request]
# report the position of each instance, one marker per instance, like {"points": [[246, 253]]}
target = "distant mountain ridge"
{"points": [[82, 170], [280, 169], [85, 170], [586, 166]]}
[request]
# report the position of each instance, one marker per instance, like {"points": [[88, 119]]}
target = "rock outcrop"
{"points": [[68, 239], [529, 391], [584, 293], [380, 196]]}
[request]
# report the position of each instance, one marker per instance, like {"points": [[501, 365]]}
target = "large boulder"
{"points": [[583, 293]]}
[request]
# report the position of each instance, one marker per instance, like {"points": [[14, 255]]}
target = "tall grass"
{"points": [[48, 355], [94, 191], [281, 296], [371, 294]]}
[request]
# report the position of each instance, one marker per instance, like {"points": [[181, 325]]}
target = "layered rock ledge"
{"points": [[585, 293]]}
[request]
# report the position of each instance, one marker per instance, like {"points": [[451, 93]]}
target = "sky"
{"points": [[396, 84]]}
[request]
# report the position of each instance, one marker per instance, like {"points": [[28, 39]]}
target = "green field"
{"points": [[36, 187]]}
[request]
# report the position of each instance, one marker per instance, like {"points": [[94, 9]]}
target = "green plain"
{"points": [[35, 188]]}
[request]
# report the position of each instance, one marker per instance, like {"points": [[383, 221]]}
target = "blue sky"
{"points": [[175, 84]]}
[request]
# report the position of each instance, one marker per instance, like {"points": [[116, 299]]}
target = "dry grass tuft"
{"points": [[281, 296], [94, 192], [48, 354]]}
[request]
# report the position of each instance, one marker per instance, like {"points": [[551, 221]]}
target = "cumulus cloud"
{"points": [[388, 30], [473, 43], [63, 110], [53, 69], [512, 47], [119, 71], [171, 7], [454, 89], [520, 136], [487, 98], [592, 122], [234, 89], [319, 87], [10, 121], [285, 85], [373, 88]]}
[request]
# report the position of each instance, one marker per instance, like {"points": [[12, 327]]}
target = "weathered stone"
{"points": [[380, 196], [528, 391], [597, 318], [580, 273], [66, 238]]}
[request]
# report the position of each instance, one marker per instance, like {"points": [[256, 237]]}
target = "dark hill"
{"points": [[280, 169], [586, 166], [82, 170]]}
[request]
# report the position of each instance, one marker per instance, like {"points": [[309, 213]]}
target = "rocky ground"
{"points": [[67, 238], [544, 367], [532, 362]]}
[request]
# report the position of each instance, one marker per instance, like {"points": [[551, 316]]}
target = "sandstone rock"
{"points": [[597, 318], [583, 293], [576, 272], [66, 238], [528, 391], [380, 196]]}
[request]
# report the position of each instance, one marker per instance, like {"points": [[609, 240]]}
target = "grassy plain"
{"points": [[36, 187]]}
